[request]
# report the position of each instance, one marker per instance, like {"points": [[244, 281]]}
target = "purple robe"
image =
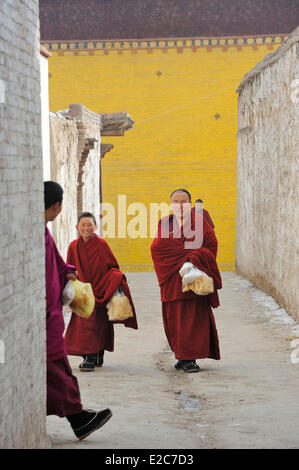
{"points": [[63, 395], [56, 278]]}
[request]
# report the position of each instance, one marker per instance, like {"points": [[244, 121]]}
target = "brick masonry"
{"points": [[22, 272]]}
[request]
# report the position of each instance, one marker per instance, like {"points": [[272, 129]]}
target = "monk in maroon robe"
{"points": [[198, 206], [188, 319], [96, 264], [63, 395]]}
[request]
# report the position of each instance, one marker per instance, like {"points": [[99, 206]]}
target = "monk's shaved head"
{"points": [[181, 191], [87, 214]]}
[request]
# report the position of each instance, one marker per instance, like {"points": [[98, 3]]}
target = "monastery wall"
{"points": [[267, 210], [22, 232]]}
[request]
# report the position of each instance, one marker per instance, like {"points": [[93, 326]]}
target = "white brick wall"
{"points": [[22, 272]]}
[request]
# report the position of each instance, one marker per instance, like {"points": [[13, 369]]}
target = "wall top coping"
{"points": [[44, 51], [110, 123], [120, 121], [81, 113], [269, 59], [91, 45]]}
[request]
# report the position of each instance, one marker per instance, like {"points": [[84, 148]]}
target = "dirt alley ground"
{"points": [[248, 399]]}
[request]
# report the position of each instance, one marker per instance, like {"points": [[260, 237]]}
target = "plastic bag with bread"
{"points": [[195, 280], [119, 307], [79, 296]]}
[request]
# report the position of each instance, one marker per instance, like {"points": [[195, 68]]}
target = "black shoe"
{"points": [[89, 363], [178, 365], [190, 366], [90, 422], [100, 358]]}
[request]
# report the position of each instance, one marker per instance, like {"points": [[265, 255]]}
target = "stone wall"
{"points": [[75, 140], [267, 208], [64, 170], [22, 267]]}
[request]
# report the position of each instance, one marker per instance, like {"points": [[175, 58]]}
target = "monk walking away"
{"points": [[95, 263], [188, 318], [63, 395]]}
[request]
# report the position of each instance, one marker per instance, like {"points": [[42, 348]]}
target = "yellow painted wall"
{"points": [[176, 140]]}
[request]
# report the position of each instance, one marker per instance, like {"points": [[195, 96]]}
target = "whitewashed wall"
{"points": [[91, 179], [22, 232], [267, 250], [64, 170], [45, 116], [68, 138]]}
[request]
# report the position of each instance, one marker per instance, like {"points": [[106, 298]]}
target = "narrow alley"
{"points": [[248, 399], [134, 112]]}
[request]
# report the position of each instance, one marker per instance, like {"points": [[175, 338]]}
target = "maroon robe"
{"points": [[95, 263], [63, 396], [208, 218], [188, 319]]}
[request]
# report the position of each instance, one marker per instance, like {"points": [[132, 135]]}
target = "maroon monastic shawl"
{"points": [[96, 264], [56, 278], [206, 215], [169, 255]]}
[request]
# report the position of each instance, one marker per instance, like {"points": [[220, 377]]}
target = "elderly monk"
{"points": [[96, 264], [63, 395], [188, 320]]}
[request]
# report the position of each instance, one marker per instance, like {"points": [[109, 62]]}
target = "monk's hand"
{"points": [[72, 276]]}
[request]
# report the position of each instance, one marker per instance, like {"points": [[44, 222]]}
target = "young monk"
{"points": [[188, 319], [63, 395], [96, 264]]}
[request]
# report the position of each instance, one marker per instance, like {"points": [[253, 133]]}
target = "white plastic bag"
{"points": [[185, 268], [79, 297], [195, 280], [189, 273], [119, 307], [68, 293], [118, 291]]}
